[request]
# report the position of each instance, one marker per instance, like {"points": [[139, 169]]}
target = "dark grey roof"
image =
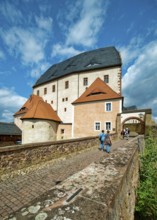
{"points": [[9, 129], [95, 59]]}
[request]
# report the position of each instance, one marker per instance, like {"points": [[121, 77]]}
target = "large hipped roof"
{"points": [[95, 59]]}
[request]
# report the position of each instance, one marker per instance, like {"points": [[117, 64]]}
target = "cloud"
{"points": [[139, 82], [131, 51], [44, 23], [10, 12], [84, 22], [64, 51], [2, 56], [84, 31], [10, 102], [39, 69], [24, 43]]}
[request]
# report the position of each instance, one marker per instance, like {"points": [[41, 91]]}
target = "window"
{"points": [[97, 126], [62, 99], [85, 81], [32, 126], [38, 92], [108, 126], [51, 101], [45, 91], [106, 78], [53, 88], [66, 98], [108, 107], [62, 131], [65, 109], [66, 84]]}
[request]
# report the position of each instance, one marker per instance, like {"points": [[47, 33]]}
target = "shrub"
{"points": [[146, 205]]}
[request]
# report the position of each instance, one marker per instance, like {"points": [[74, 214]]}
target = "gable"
{"points": [[97, 91]]}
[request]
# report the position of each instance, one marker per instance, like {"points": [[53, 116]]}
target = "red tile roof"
{"points": [[97, 91], [36, 108]]}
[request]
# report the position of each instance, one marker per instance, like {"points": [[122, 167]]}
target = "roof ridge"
{"points": [[85, 61]]}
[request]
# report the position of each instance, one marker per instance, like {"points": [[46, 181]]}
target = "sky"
{"points": [[35, 34]]}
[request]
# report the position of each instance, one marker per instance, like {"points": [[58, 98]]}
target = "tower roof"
{"points": [[91, 60], [36, 108], [97, 91]]}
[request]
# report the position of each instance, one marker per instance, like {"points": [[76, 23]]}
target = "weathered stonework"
{"points": [[104, 190], [13, 158]]}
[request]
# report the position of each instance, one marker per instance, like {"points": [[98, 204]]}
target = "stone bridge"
{"points": [[69, 180]]}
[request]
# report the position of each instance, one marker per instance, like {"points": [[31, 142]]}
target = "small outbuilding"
{"points": [[9, 134]]}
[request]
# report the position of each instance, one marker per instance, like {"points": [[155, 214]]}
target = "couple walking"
{"points": [[105, 141]]}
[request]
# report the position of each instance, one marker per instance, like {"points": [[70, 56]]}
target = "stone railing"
{"points": [[19, 157], [104, 190]]}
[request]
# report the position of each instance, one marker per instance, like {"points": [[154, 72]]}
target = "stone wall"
{"points": [[104, 190], [19, 157]]}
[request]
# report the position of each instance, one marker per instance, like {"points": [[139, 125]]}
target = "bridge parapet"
{"points": [[103, 190]]}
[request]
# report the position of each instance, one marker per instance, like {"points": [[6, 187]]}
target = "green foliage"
{"points": [[146, 205]]}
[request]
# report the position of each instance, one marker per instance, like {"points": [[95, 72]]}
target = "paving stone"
{"points": [[21, 190]]}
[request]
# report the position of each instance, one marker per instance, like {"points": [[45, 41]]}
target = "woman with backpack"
{"points": [[108, 142], [101, 139]]}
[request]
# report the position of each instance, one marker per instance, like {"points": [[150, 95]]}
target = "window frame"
{"points": [[106, 78], [95, 126], [85, 81], [109, 125], [106, 108]]}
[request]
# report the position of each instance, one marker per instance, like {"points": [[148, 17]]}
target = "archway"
{"points": [[138, 127]]}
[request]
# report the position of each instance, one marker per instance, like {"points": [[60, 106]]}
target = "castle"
{"points": [[75, 98]]}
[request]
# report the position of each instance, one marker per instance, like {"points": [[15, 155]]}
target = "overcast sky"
{"points": [[34, 34]]}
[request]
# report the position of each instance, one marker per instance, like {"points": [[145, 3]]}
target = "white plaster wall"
{"points": [[71, 93], [50, 96], [43, 130], [76, 88], [93, 75], [18, 121]]}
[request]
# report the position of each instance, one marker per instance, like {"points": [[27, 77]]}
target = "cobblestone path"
{"points": [[19, 191]]}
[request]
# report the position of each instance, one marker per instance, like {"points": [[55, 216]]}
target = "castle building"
{"points": [[79, 96]]}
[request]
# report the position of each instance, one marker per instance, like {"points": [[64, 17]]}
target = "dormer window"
{"points": [[96, 91]]}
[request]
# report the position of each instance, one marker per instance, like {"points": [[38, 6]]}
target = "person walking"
{"points": [[127, 132], [108, 142], [101, 139], [123, 133]]}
